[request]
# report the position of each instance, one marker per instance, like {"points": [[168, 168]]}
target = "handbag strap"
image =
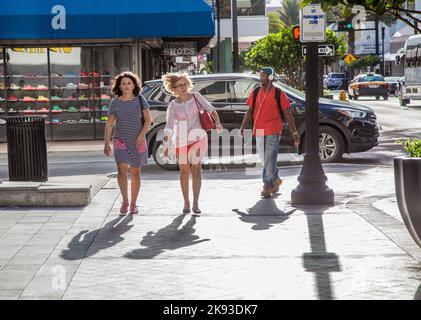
{"points": [[197, 102]]}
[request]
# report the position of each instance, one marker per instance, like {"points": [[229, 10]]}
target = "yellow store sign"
{"points": [[42, 50]]}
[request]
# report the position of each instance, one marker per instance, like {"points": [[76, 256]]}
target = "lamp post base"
{"points": [[312, 195]]}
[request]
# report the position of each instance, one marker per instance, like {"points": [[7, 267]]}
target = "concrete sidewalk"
{"points": [[65, 146], [242, 247]]}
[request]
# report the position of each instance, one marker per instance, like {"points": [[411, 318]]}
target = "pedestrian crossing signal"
{"points": [[296, 33]]}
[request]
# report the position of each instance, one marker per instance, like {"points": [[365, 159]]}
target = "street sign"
{"points": [[312, 24], [349, 59], [324, 50]]}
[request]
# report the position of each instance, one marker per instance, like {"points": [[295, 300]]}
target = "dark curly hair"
{"points": [[126, 74]]}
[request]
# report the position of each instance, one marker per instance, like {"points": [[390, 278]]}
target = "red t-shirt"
{"points": [[266, 115]]}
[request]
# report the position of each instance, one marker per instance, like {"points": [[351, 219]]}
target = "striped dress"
{"points": [[127, 128]]}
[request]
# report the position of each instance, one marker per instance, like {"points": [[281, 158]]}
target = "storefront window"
{"points": [[244, 8], [74, 91]]}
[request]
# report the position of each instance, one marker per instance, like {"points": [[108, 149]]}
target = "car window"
{"points": [[213, 91], [159, 94], [240, 90], [373, 78], [338, 75]]}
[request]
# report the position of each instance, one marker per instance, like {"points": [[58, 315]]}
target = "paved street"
{"points": [[242, 247]]}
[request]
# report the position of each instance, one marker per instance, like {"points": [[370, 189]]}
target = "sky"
{"points": [[273, 3]]}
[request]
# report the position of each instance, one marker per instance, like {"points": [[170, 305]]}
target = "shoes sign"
{"points": [[324, 50], [180, 49], [59, 20]]}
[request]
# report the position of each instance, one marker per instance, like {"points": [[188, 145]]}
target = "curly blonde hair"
{"points": [[170, 80]]}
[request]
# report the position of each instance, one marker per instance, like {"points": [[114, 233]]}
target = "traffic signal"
{"points": [[296, 33], [345, 25]]}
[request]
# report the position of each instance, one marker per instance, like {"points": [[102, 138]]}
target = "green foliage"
{"points": [[209, 67], [275, 24], [386, 8], [413, 147], [290, 13], [366, 61], [283, 53]]}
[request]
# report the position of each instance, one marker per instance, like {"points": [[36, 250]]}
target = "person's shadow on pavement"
{"points": [[167, 238], [264, 214], [109, 235]]}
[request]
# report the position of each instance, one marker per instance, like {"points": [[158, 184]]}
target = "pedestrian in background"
{"points": [[126, 111], [267, 106], [184, 130]]}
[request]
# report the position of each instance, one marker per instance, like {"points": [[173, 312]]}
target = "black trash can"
{"points": [[27, 148]]}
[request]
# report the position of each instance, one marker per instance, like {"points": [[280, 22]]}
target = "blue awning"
{"points": [[102, 19]]}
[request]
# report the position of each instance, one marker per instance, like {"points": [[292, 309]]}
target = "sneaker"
{"points": [[105, 97], [28, 99], [72, 109], [104, 108], [55, 75], [12, 98], [14, 87], [41, 87], [54, 87], [28, 110], [56, 109], [43, 110], [43, 99], [83, 97], [278, 182], [69, 74], [104, 118], [2, 121], [2, 99], [56, 98], [83, 86], [71, 85], [266, 192], [28, 88], [85, 109], [84, 74], [56, 121], [2, 110], [71, 98], [12, 110]]}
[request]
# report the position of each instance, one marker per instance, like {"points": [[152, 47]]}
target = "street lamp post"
{"points": [[235, 36], [382, 65], [312, 188]]}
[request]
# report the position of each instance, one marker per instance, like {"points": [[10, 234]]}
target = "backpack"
{"points": [[277, 98]]}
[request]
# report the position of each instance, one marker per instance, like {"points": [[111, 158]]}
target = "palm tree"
{"points": [[290, 12]]}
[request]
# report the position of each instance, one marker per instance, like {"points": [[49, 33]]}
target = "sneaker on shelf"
{"points": [[43, 110], [55, 75], [96, 86], [2, 121], [27, 87], [56, 109], [2, 110], [71, 98], [105, 97], [71, 85], [95, 74], [12, 110], [28, 110], [85, 109], [16, 75], [2, 99], [72, 109], [69, 74], [83, 86], [56, 98], [1, 85], [30, 76], [41, 87], [104, 118], [43, 99], [56, 121], [12, 98], [14, 87], [84, 74], [28, 99], [83, 97], [104, 108], [47, 122]]}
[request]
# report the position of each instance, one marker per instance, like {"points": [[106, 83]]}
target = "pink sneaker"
{"points": [[133, 209], [123, 208]]}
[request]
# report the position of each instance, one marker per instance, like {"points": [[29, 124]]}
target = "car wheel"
{"points": [[331, 145], [377, 98], [403, 102], [385, 97], [158, 156]]}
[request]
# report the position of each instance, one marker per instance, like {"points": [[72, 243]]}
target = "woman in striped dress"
{"points": [[126, 111]]}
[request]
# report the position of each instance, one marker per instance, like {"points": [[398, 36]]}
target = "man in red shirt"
{"points": [[267, 127]]}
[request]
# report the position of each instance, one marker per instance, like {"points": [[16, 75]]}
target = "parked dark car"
{"points": [[345, 127], [368, 84], [393, 84]]}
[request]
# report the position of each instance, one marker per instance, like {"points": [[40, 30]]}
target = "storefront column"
{"points": [[226, 55]]}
